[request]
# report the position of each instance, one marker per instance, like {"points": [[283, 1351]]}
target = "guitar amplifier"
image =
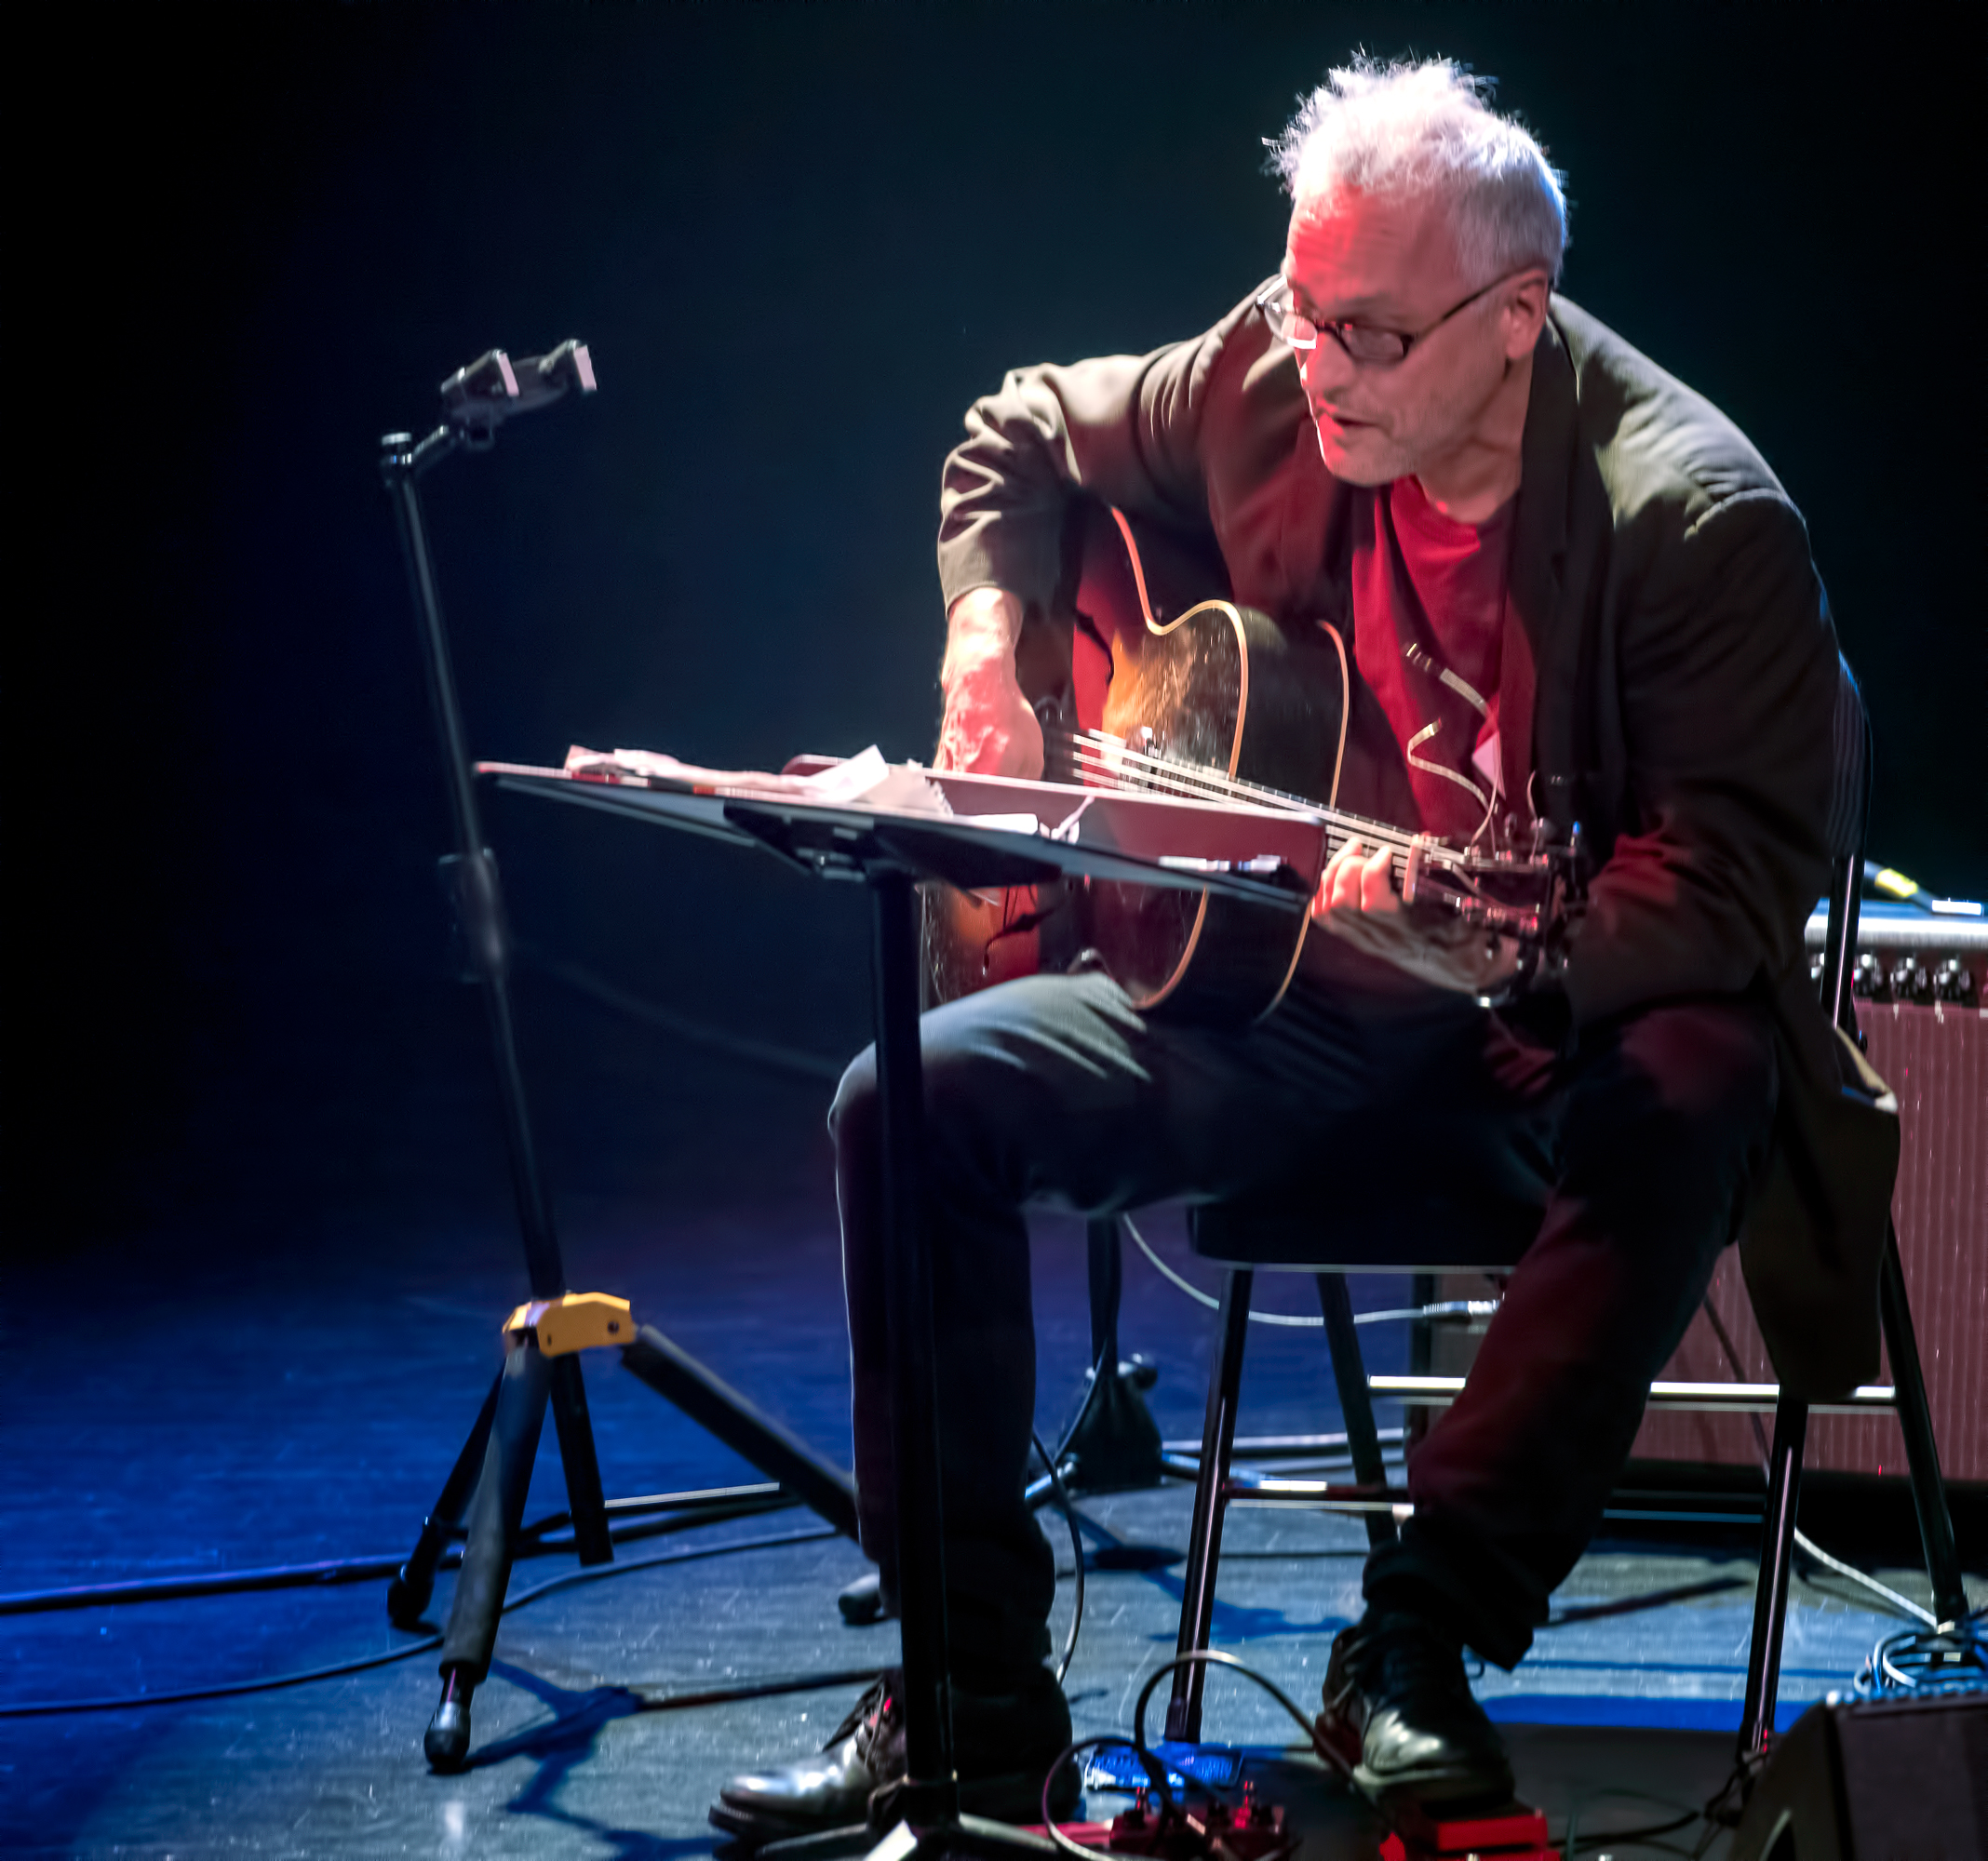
{"points": [[1921, 983]]}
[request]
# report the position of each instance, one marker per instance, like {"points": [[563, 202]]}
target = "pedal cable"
{"points": [[1069, 1517]]}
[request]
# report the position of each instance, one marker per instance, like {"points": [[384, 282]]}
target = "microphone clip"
{"points": [[476, 400]]}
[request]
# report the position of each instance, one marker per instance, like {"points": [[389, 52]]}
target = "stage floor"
{"points": [[286, 1389]]}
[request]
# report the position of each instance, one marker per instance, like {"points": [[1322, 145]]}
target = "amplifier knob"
{"points": [[1954, 981], [1871, 981], [1910, 982]]}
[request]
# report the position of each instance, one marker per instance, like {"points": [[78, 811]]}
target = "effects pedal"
{"points": [[1512, 1833], [1215, 1832]]}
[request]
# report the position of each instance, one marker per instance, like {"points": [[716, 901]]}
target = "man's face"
{"points": [[1390, 263]]}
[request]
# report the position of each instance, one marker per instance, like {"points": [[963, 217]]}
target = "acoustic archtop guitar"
{"points": [[1141, 688]]}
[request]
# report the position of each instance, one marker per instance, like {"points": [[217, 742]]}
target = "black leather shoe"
{"points": [[1399, 1708], [1003, 1744]]}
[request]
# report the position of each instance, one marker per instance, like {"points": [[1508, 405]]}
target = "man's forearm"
{"points": [[988, 728]]}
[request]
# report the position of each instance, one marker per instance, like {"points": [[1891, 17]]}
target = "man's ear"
{"points": [[1525, 313]]}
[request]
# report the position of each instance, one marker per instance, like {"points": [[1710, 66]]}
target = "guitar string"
{"points": [[1106, 750], [1155, 781], [1098, 752], [1157, 775], [1101, 755], [1244, 791]]}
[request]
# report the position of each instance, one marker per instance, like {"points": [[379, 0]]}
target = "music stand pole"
{"points": [[926, 1807], [479, 908], [930, 1793]]}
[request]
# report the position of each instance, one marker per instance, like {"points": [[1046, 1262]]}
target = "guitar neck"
{"points": [[1101, 763]]}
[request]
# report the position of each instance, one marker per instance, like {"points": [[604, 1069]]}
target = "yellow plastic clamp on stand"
{"points": [[573, 1321]]}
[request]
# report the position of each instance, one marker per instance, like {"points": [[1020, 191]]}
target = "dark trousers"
{"points": [[1054, 1091]]}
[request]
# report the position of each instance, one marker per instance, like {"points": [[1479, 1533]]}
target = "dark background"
{"points": [[798, 240]]}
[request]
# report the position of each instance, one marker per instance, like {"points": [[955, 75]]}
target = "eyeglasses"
{"points": [[1364, 344]]}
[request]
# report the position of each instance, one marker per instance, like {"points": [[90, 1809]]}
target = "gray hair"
{"points": [[1428, 129]]}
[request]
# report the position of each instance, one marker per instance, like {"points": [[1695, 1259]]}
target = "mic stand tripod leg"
{"points": [[584, 1496], [1114, 1444], [495, 1516], [413, 1585]]}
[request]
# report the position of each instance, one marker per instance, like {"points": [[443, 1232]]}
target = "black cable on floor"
{"points": [[228, 1690], [532, 1541]]}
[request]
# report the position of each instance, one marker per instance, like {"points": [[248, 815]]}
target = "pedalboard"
{"points": [[1249, 1831]]}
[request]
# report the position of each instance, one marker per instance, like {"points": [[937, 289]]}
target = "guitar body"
{"points": [[1184, 679], [1227, 688]]}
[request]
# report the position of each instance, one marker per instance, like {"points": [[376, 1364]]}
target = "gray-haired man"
{"points": [[1406, 433]]}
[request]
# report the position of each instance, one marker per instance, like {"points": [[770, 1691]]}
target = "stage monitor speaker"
{"points": [[1874, 1780]]}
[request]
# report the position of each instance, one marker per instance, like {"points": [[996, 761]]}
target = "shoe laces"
{"points": [[868, 1716]]}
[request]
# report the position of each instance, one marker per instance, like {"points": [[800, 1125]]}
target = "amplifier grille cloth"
{"points": [[1936, 1059]]}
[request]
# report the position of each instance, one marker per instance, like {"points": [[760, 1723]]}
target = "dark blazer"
{"points": [[1686, 670]]}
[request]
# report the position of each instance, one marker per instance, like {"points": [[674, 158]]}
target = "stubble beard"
{"points": [[1375, 458]]}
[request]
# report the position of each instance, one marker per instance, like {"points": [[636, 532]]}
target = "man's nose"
{"points": [[1323, 367]]}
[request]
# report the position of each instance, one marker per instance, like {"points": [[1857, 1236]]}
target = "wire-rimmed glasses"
{"points": [[1368, 344]]}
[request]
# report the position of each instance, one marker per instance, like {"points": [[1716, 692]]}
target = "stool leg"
{"points": [[1421, 1356], [1356, 1402], [1204, 1538], [495, 1516], [1770, 1598], [1922, 1454]]}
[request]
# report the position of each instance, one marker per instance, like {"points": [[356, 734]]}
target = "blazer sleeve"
{"points": [[1126, 429], [1727, 675]]}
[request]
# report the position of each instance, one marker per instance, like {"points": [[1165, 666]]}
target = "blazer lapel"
{"points": [[1539, 563]]}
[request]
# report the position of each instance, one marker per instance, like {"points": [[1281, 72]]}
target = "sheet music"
{"points": [[865, 780]]}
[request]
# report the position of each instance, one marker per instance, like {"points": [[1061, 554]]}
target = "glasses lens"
{"points": [[1288, 325], [1382, 346]]}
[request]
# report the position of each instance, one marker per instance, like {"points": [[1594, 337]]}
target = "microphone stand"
{"points": [[478, 399], [493, 1470]]}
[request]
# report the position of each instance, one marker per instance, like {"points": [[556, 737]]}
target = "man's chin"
{"points": [[1358, 456]]}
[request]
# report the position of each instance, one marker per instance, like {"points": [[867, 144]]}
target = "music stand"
{"points": [[1268, 857]]}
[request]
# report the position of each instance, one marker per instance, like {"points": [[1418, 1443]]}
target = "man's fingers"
{"points": [[1341, 886], [1377, 882]]}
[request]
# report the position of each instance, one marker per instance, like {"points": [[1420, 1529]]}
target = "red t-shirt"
{"points": [[1422, 580]]}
